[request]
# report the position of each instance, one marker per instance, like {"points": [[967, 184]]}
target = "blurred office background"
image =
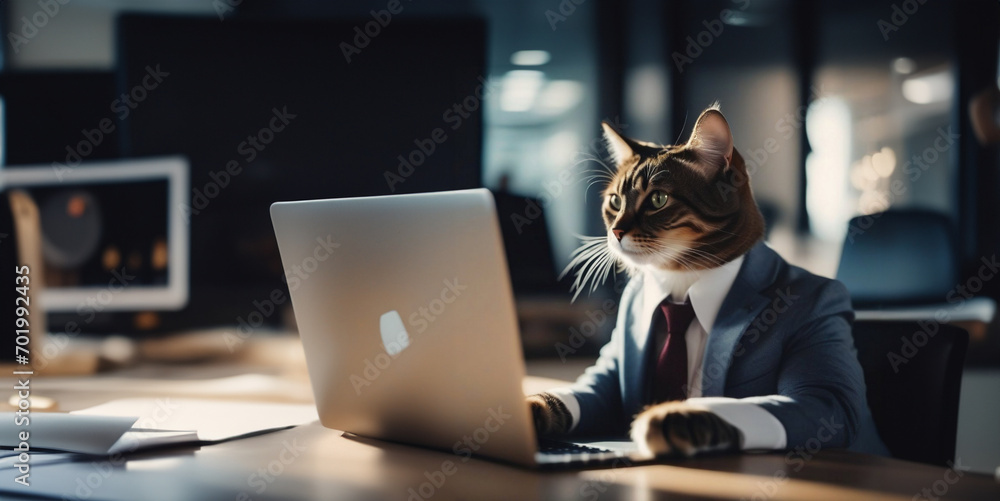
{"points": [[842, 109]]}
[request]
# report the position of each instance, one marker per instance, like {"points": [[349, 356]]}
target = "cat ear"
{"points": [[620, 146], [712, 139]]}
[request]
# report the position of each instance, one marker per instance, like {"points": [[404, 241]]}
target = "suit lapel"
{"points": [[634, 382], [743, 303]]}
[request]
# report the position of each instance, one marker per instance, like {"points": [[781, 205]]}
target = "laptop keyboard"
{"points": [[549, 446]]}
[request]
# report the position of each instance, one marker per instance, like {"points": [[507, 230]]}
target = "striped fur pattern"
{"points": [[684, 430], [681, 208], [550, 414]]}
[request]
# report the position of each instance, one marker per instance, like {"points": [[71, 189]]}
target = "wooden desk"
{"points": [[312, 462]]}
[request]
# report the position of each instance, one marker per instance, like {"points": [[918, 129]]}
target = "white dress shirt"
{"points": [[706, 290]]}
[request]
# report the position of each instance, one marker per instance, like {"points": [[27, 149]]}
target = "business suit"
{"points": [[781, 340]]}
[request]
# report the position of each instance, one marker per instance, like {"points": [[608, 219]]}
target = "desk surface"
{"points": [[312, 462]]}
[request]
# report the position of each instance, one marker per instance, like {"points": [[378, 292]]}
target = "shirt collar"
{"points": [[707, 290]]}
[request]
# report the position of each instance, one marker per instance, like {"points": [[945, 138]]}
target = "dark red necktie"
{"points": [[671, 373]]}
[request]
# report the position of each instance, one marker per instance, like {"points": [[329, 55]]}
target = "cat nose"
{"points": [[618, 234]]}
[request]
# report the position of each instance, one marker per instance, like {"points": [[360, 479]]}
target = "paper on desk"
{"points": [[213, 420], [135, 440], [65, 432], [140, 423]]}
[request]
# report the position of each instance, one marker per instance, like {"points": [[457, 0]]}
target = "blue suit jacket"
{"points": [[782, 340]]}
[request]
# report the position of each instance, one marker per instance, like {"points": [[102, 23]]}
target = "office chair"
{"points": [[902, 264], [913, 385]]}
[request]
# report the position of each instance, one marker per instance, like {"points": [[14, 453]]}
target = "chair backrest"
{"points": [[899, 257], [913, 373]]}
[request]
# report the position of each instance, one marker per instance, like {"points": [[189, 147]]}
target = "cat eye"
{"points": [[659, 199], [615, 201]]}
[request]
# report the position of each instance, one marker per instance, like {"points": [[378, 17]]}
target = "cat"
{"points": [[679, 209]]}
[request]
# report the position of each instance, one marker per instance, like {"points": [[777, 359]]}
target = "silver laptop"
{"points": [[406, 314]]}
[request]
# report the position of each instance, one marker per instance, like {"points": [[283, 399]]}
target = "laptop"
{"points": [[406, 315]]}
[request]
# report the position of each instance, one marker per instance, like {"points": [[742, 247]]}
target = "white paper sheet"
{"points": [[134, 424], [213, 420], [65, 432]]}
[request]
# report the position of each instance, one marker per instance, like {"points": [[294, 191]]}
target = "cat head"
{"points": [[683, 207], [678, 207]]}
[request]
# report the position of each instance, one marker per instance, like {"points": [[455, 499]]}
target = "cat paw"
{"points": [[550, 414], [681, 429]]}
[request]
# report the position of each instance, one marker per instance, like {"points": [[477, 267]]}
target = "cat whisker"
{"points": [[600, 173], [681, 132], [681, 260], [581, 254], [718, 229], [592, 262], [592, 180], [591, 185], [695, 256], [685, 242], [690, 243], [704, 257], [705, 260], [597, 178], [584, 257], [589, 157], [593, 274]]}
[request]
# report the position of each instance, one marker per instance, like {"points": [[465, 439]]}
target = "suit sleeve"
{"points": [[759, 429], [598, 392], [598, 409], [821, 388]]}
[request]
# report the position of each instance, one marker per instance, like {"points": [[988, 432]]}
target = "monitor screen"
{"points": [[272, 110], [112, 235]]}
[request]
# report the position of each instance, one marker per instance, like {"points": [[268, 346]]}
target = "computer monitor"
{"points": [[113, 234]]}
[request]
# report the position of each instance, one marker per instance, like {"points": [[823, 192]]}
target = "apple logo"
{"points": [[394, 335]]}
